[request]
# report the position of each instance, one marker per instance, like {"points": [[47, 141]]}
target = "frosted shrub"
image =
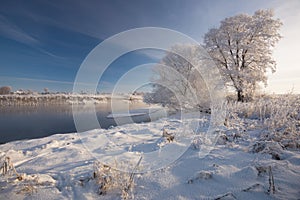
{"points": [[104, 177], [283, 122], [283, 113], [110, 179], [257, 109], [27, 189], [278, 116], [235, 125], [7, 167]]}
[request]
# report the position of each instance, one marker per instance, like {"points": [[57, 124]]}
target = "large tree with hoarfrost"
{"points": [[242, 49]]}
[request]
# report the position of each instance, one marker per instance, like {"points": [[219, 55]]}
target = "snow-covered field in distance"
{"points": [[35, 99]]}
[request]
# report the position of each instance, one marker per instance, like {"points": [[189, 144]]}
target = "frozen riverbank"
{"points": [[240, 166]]}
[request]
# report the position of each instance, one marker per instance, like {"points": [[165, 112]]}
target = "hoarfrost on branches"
{"points": [[242, 48]]}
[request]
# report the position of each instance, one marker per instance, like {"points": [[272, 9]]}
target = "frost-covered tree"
{"points": [[177, 81], [5, 90], [242, 49]]}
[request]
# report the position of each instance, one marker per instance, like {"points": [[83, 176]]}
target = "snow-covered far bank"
{"points": [[242, 164], [15, 99]]}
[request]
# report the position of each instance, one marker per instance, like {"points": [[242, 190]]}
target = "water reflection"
{"points": [[27, 122]]}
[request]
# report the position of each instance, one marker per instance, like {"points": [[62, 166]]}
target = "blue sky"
{"points": [[43, 43]]}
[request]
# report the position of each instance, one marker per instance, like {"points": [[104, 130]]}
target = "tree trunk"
{"points": [[240, 96]]}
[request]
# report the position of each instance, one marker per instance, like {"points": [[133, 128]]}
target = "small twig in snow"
{"points": [[271, 189]]}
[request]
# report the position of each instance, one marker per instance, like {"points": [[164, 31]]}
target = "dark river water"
{"points": [[28, 122]]}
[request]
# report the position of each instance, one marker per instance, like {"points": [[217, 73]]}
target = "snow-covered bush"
{"points": [[283, 114], [7, 167], [110, 179], [278, 117]]}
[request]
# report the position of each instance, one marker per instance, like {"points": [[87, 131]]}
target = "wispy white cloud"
{"points": [[11, 31], [37, 80], [102, 84], [152, 53]]}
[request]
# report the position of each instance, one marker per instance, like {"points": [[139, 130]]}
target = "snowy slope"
{"points": [[60, 166]]}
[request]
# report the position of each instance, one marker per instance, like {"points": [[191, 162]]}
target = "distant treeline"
{"points": [[14, 99]]}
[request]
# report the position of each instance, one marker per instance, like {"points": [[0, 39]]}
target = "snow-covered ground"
{"points": [[241, 165]]}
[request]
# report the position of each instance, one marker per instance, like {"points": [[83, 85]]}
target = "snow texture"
{"points": [[61, 167]]}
